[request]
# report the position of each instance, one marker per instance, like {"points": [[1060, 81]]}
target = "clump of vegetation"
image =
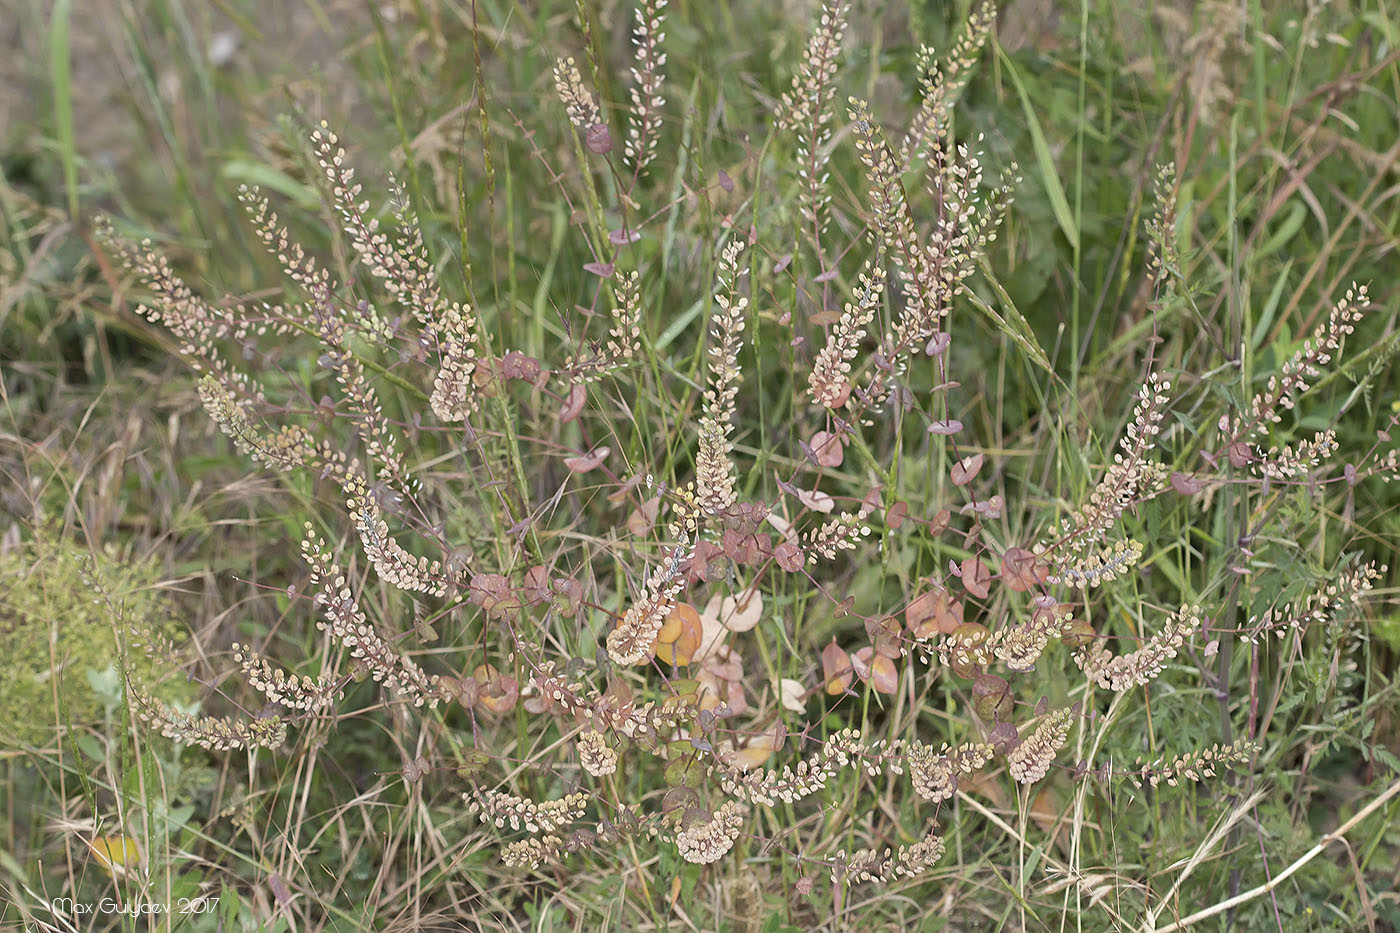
{"points": [[680, 588], [857, 485], [73, 627]]}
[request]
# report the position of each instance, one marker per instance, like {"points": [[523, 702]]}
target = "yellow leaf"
{"points": [[758, 751], [670, 629], [680, 635], [115, 853]]}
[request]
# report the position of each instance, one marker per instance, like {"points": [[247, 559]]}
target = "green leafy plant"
{"points": [[65, 662]]}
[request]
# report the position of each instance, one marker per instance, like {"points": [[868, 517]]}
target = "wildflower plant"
{"points": [[618, 564]]}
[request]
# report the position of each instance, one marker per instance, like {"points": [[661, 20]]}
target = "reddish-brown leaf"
{"points": [[884, 676], [826, 449], [938, 344], [966, 469], [836, 669], [516, 365], [710, 562], [598, 139], [789, 556], [1019, 570], [573, 404], [643, 517], [933, 612], [589, 461], [495, 691], [491, 591], [975, 577], [1186, 485], [536, 586], [939, 523], [885, 636], [625, 488]]}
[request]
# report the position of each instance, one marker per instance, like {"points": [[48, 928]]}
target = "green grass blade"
{"points": [[61, 77], [1044, 160]]}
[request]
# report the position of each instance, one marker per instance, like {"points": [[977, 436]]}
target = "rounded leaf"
{"points": [[966, 469], [598, 139], [827, 450], [836, 669], [573, 403], [884, 676], [741, 613], [816, 500], [976, 577], [1020, 572], [589, 461], [793, 695], [991, 697]]}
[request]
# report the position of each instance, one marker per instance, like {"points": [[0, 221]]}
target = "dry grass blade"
{"points": [[1243, 897]]}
